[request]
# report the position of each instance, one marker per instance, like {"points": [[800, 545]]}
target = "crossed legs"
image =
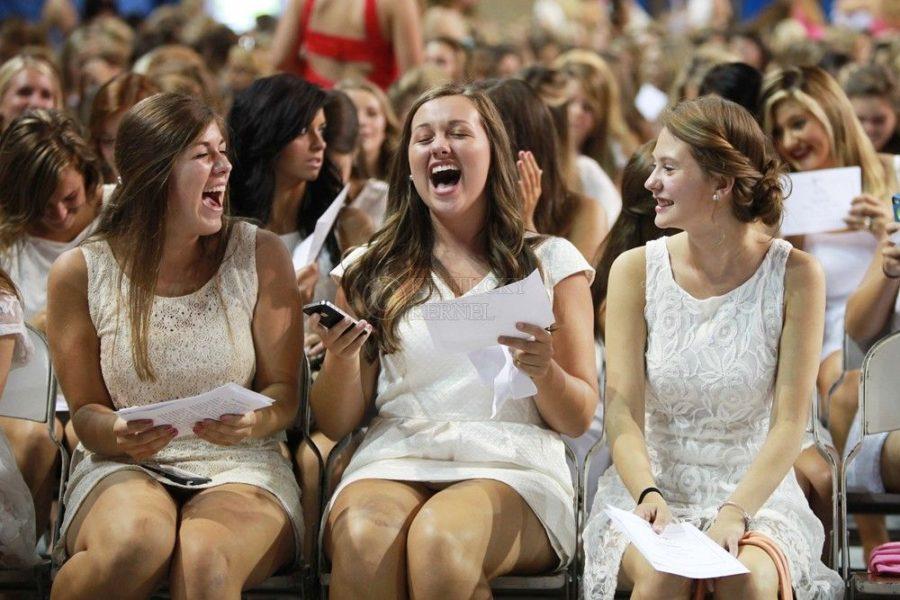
{"points": [[127, 537], [385, 537]]}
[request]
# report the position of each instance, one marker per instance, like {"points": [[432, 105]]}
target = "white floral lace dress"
{"points": [[710, 368], [434, 420], [16, 506], [197, 342]]}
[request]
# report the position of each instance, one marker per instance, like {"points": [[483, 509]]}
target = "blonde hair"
{"points": [[602, 91], [818, 92], [23, 62], [391, 125]]}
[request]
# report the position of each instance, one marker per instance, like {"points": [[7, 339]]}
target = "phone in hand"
{"points": [[176, 475], [895, 204], [329, 314]]}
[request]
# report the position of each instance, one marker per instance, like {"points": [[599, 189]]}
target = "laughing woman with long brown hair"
{"points": [[168, 300], [443, 477]]}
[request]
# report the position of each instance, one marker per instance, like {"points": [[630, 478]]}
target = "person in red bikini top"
{"points": [[379, 46]]}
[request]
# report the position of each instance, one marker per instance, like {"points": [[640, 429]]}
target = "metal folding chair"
{"points": [[30, 394], [560, 584], [878, 414]]}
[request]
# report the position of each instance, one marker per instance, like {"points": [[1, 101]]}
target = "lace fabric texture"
{"points": [[710, 368], [434, 419], [197, 342], [16, 506]]}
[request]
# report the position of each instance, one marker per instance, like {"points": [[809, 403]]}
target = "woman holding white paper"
{"points": [[171, 299], [813, 125], [710, 367], [445, 494], [282, 178]]}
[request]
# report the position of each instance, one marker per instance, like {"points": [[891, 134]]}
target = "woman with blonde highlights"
{"points": [[443, 475], [27, 82], [172, 299], [710, 368], [814, 127]]}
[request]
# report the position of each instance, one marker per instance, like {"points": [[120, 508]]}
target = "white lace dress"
{"points": [[197, 342], [711, 368], [16, 506], [434, 418]]}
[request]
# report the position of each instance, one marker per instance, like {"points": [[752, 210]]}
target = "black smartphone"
{"points": [[329, 314], [895, 203], [176, 475]]}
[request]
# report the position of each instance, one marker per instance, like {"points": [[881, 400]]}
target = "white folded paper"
{"points": [[681, 549], [472, 324], [650, 101], [372, 200], [307, 251], [184, 413], [819, 200]]}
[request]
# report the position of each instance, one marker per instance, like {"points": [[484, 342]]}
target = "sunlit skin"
{"points": [[372, 124], [800, 138], [29, 88], [198, 183], [301, 160], [877, 117]]}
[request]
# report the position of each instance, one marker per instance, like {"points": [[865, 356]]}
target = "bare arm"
{"points": [[872, 304], [346, 384], [589, 227], [285, 39], [406, 34], [75, 349]]}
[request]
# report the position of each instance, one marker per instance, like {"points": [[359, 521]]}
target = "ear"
{"points": [[724, 185]]}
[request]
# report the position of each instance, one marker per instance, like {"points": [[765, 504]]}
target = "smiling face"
{"points": [[800, 138], [63, 207], [372, 121], [197, 185], [449, 156], [877, 117], [683, 192], [302, 158], [29, 88]]}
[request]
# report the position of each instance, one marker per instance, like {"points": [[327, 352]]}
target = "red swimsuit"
{"points": [[374, 49]]}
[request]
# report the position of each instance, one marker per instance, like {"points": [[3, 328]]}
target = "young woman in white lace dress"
{"points": [[17, 532], [711, 361], [171, 299], [444, 493]]}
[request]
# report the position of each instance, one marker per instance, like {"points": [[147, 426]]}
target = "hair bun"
{"points": [[768, 192]]}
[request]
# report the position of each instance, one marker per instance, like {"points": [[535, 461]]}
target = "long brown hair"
{"points": [[34, 151], [394, 275], [152, 136]]}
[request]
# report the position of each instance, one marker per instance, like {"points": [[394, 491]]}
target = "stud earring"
{"points": [[715, 197], [410, 176]]}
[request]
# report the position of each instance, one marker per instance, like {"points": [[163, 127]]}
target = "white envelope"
{"points": [[818, 201], [307, 251]]}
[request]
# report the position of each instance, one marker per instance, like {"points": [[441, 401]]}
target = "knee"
{"points": [[430, 542], [364, 531], [201, 562], [141, 544], [845, 398], [654, 584]]}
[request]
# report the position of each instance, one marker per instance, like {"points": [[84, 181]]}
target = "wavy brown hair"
{"points": [[34, 151], [152, 136], [394, 275]]}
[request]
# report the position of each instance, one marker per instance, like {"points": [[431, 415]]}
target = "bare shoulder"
{"points": [[803, 271], [272, 256], [631, 265], [69, 271]]}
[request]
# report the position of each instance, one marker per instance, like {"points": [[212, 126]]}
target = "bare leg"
{"points": [[475, 531], [230, 537], [645, 582], [365, 538], [844, 403], [121, 540], [815, 479], [761, 583], [308, 476], [36, 456], [890, 463]]}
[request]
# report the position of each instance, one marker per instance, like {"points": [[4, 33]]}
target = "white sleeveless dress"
{"points": [[197, 342], [434, 421], [710, 368]]}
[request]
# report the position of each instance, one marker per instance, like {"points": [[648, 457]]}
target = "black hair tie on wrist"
{"points": [[648, 490]]}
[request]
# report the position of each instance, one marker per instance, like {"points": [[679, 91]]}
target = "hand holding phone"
{"points": [[341, 334], [895, 206]]}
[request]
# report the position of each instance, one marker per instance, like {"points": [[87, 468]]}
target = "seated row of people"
{"points": [[435, 456]]}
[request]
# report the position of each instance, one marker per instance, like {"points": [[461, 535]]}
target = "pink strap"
{"points": [[754, 538]]}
